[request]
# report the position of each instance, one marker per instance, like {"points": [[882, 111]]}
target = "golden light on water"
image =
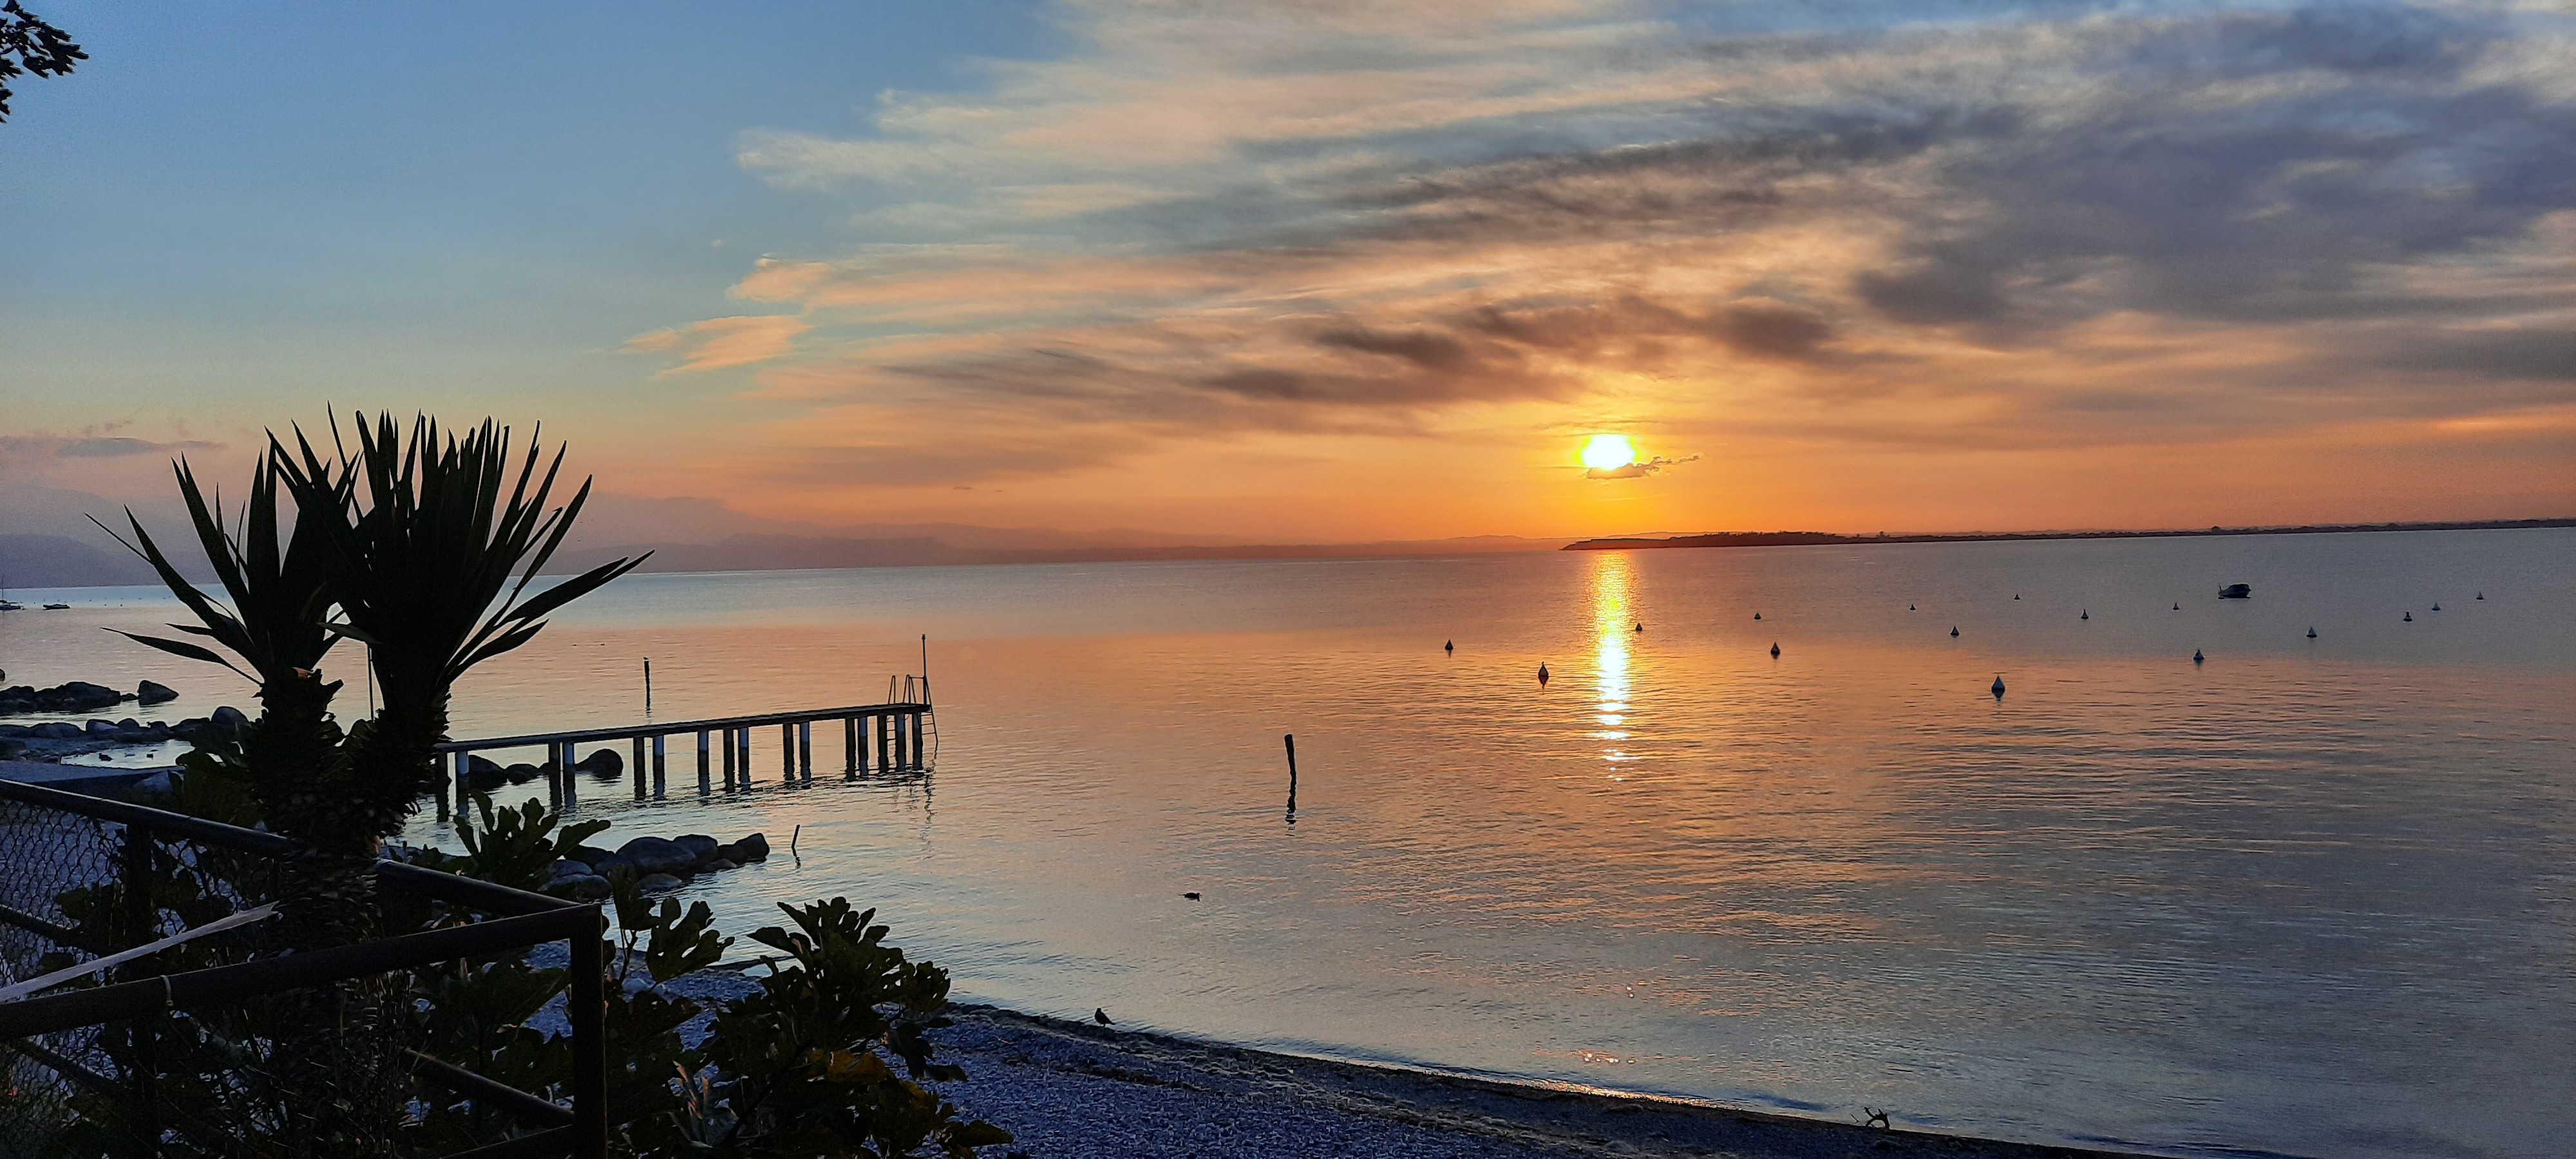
{"points": [[1612, 623], [1608, 452]]}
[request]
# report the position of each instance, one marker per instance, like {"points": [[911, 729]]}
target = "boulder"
{"points": [[611, 864], [659, 883], [699, 845], [13, 730], [580, 887], [231, 718], [78, 696], [752, 848], [11, 748], [522, 773], [151, 693], [717, 865], [590, 855], [566, 867], [101, 730], [156, 787], [653, 855], [56, 730], [604, 763], [478, 763]]}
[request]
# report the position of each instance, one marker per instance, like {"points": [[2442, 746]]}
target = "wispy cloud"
{"points": [[721, 342], [2004, 227]]}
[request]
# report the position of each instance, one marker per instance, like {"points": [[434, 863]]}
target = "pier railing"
{"points": [[896, 736], [88, 882]]}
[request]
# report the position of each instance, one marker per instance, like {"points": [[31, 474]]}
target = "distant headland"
{"points": [[1806, 538]]}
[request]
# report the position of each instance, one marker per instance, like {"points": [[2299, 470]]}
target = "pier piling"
{"points": [[703, 787], [658, 738]]}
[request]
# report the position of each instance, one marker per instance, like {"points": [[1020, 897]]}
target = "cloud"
{"points": [[2063, 226], [721, 342], [1638, 470]]}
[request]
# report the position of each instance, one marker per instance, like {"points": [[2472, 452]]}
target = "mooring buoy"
{"points": [[1775, 651], [1998, 688], [1542, 675], [2196, 657], [1954, 631], [2312, 633]]}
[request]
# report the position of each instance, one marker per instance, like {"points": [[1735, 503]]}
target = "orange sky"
{"points": [[1308, 272]]}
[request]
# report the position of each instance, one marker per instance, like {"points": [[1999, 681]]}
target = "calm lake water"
{"points": [[2310, 896]]}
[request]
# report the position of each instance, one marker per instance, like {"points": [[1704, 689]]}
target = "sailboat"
{"points": [[7, 604]]}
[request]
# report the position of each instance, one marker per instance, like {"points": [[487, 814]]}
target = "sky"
{"points": [[1324, 270]]}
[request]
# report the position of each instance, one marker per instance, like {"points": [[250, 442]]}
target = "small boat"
{"points": [[2410, 617], [2236, 592], [1997, 687], [2482, 595], [12, 606], [1775, 651], [2437, 607], [1542, 675], [2196, 657], [57, 607]]}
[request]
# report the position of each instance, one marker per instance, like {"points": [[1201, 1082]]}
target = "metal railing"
{"points": [[82, 874]]}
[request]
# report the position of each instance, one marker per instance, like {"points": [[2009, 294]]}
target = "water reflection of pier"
{"points": [[901, 732]]}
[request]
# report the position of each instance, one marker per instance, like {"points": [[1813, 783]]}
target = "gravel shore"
{"points": [[1077, 1091]]}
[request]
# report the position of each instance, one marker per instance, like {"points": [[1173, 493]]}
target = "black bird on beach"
{"points": [[1101, 1016]]}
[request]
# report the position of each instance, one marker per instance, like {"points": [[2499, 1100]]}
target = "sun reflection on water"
{"points": [[1613, 622]]}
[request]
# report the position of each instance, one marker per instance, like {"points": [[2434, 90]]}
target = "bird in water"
{"points": [[2410, 617], [1909, 607], [2016, 595], [2437, 607], [1757, 615], [1954, 631], [2196, 657], [1641, 625], [2312, 633], [1775, 651], [2482, 595], [1451, 647], [1998, 687], [2177, 606], [1542, 675], [1101, 1016], [1193, 895], [2086, 615]]}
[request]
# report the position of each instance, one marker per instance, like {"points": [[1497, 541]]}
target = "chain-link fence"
{"points": [[179, 1047]]}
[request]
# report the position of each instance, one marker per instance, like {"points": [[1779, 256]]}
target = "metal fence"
{"points": [[82, 879]]}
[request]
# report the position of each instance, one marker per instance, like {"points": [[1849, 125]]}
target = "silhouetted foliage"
{"points": [[28, 45]]}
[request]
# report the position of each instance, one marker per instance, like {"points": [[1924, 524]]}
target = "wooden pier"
{"points": [[900, 733]]}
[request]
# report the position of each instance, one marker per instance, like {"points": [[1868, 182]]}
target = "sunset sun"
{"points": [[1608, 452]]}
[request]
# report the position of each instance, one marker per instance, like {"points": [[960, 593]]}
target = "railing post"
{"points": [[636, 770], [703, 769], [805, 750], [586, 1008], [742, 764], [729, 751], [787, 753], [657, 766], [849, 746]]}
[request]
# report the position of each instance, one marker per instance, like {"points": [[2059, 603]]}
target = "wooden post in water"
{"points": [[636, 770], [920, 755], [884, 742], [849, 746], [648, 686], [728, 760], [464, 781], [1291, 738], [657, 766], [742, 766], [805, 751], [703, 787], [787, 753]]}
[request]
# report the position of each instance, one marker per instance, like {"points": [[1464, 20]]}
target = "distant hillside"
{"points": [[59, 561], [1798, 538], [791, 552]]}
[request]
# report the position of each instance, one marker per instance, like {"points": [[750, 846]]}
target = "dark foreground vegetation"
{"points": [[423, 546]]}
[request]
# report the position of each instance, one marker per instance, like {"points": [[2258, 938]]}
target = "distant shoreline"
{"points": [[1819, 538]]}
